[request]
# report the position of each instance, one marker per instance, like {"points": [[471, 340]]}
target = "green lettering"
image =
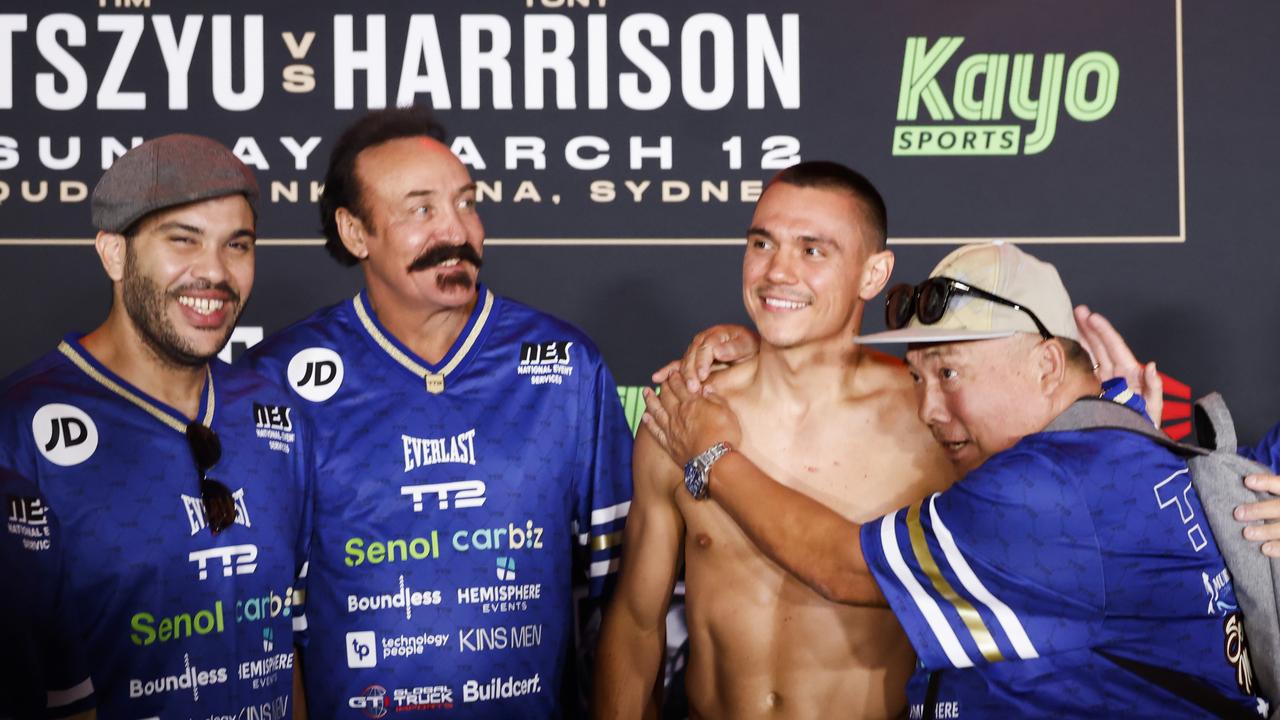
{"points": [[355, 556], [920, 67], [391, 550], [377, 552], [143, 633], [1078, 105], [1043, 109]]}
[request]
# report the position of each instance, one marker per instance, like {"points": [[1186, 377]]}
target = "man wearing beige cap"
{"points": [[1070, 573], [182, 485]]}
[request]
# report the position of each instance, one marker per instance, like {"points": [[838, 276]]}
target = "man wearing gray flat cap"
{"points": [[182, 485]]}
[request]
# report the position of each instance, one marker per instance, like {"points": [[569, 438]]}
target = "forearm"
{"points": [[802, 535], [628, 665]]}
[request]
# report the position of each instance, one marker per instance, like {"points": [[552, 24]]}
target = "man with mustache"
{"points": [[182, 485], [473, 449]]}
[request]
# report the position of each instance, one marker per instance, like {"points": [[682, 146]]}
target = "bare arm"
{"points": [[808, 539], [633, 635], [299, 697]]}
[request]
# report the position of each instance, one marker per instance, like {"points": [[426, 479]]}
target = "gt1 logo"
{"points": [[315, 373], [65, 435], [1170, 493], [464, 493], [237, 559]]}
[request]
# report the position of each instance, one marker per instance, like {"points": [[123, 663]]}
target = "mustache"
{"points": [[222, 287], [442, 253]]}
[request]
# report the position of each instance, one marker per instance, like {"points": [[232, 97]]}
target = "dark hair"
{"points": [[1077, 356], [342, 187], [827, 175]]}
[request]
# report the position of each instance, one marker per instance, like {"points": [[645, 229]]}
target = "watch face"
{"points": [[691, 477]]}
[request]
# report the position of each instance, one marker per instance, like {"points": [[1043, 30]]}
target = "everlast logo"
{"points": [[1086, 89]]}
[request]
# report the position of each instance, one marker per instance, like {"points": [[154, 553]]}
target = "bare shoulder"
{"points": [[886, 380], [885, 377]]}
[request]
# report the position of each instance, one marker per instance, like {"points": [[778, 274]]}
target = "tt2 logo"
{"points": [[316, 373], [65, 435], [236, 559], [463, 494]]}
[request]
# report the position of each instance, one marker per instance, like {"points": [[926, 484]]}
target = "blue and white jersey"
{"points": [[1073, 575], [178, 622], [44, 671], [453, 502]]}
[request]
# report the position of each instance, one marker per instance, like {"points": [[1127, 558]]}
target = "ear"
{"points": [[1051, 366], [352, 231], [112, 248], [875, 274]]}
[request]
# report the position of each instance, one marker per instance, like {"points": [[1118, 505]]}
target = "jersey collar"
{"points": [[433, 375], [89, 365]]}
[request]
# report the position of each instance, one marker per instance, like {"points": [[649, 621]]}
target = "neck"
{"points": [[1075, 386], [120, 346], [810, 374], [429, 331]]}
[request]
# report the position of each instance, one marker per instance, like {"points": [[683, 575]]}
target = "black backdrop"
{"points": [[1152, 194]]}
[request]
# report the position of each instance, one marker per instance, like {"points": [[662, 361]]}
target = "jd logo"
{"points": [[316, 373], [64, 434]]}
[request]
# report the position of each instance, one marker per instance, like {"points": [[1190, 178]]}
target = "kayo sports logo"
{"points": [[970, 122]]}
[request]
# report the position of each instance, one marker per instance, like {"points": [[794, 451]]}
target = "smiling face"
{"points": [[979, 397], [420, 235], [187, 273], [806, 273]]}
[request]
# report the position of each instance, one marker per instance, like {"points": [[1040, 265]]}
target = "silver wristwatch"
{"points": [[697, 471]]}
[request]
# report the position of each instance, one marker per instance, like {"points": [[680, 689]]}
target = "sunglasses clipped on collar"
{"points": [[206, 449], [928, 303]]}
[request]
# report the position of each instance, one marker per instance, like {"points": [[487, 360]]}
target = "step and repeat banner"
{"points": [[620, 145]]}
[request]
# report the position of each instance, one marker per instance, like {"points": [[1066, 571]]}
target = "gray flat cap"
{"points": [[164, 172]]}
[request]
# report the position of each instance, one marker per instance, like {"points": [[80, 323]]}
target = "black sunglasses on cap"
{"points": [[206, 449], [928, 303]]}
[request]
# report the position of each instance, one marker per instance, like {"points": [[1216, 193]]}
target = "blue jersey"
{"points": [[178, 622], [1073, 575], [1266, 452], [43, 668], [452, 501]]}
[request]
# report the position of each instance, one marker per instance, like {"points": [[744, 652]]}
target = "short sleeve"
{"points": [[602, 482], [1002, 566]]}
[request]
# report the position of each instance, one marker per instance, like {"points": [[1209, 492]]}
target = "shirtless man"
{"points": [[828, 418]]}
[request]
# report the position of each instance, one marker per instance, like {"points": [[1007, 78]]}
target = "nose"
{"points": [[933, 408], [210, 264], [782, 267], [450, 229]]}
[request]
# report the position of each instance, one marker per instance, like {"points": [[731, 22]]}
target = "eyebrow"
{"points": [[756, 230], [469, 187], [818, 240], [175, 225]]}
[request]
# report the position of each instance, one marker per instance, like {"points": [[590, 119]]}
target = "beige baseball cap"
{"points": [[1001, 269]]}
